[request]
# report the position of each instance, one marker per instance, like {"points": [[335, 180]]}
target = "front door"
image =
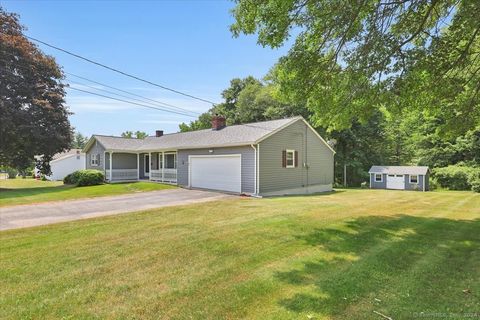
{"points": [[396, 181], [147, 166]]}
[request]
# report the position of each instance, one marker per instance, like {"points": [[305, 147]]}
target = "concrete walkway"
{"points": [[22, 216]]}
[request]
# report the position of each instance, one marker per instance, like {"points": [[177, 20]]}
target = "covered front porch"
{"points": [[158, 166]]}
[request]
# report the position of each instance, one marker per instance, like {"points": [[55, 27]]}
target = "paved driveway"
{"points": [[52, 212]]}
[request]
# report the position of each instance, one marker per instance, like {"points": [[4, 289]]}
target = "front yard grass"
{"points": [[28, 191], [342, 255]]}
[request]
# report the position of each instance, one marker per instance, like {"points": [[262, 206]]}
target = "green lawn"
{"points": [[342, 255], [28, 191]]}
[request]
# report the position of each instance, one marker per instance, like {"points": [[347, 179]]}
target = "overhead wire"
{"points": [[120, 72]]}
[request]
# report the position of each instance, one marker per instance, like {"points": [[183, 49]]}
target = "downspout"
{"points": [[256, 166]]}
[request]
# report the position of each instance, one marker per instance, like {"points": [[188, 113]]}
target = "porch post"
{"points": [[149, 166], [163, 166], [138, 166], [111, 171]]}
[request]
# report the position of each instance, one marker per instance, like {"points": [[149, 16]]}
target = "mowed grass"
{"points": [[342, 255], [28, 191]]}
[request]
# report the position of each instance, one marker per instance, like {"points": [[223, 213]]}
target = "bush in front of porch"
{"points": [[85, 178]]}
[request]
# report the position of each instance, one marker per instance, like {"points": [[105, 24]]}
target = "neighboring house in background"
{"points": [[399, 177], [65, 163], [276, 157]]}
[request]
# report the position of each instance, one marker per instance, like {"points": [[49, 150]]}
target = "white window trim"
{"points": [[410, 178], [94, 159], [375, 177], [293, 159]]}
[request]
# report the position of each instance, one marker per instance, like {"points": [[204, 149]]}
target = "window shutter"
{"points": [[284, 158], [296, 159]]}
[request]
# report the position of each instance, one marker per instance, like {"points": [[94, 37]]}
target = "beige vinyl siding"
{"points": [[311, 150]]}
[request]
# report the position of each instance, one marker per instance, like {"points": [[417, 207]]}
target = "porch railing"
{"points": [[121, 174], [168, 175]]}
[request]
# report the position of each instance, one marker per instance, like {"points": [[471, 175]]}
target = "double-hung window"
{"points": [[413, 178], [378, 177], [95, 160], [290, 159]]}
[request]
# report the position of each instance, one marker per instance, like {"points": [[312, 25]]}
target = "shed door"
{"points": [[396, 181], [219, 172]]}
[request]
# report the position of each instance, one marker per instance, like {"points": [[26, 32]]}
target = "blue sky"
{"points": [[184, 45]]}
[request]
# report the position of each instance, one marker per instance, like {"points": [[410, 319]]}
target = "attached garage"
{"points": [[216, 172]]}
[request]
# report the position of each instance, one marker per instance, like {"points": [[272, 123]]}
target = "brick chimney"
{"points": [[158, 133], [218, 122]]}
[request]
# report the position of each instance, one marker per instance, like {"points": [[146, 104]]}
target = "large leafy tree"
{"points": [[350, 58], [33, 115], [249, 100]]}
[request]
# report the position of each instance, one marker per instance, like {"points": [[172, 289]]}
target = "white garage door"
{"points": [[219, 172], [395, 181]]}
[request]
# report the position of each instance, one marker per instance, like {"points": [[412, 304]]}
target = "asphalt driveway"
{"points": [[52, 212]]}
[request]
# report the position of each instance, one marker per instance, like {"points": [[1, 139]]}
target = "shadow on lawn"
{"points": [[415, 263], [6, 193]]}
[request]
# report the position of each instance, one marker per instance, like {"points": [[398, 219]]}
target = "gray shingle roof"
{"points": [[236, 135], [398, 169]]}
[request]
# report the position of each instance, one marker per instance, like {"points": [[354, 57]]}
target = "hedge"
{"points": [[458, 177], [85, 178]]}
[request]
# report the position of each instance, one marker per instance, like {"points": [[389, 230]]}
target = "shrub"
{"points": [[12, 173], [474, 180], [84, 178], [90, 178], [457, 177]]}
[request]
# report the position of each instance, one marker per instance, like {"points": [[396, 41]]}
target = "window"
{"points": [[170, 160], [94, 160], [413, 178], [378, 177], [290, 159]]}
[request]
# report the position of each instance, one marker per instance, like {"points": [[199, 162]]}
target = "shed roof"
{"points": [[399, 169], [236, 135]]}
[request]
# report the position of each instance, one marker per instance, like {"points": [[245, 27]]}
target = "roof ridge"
{"points": [[112, 136], [235, 125]]}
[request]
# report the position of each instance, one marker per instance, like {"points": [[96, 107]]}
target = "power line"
{"points": [[117, 94], [130, 102], [121, 72], [131, 93], [163, 104]]}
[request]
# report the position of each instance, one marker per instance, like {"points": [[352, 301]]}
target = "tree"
{"points": [[79, 141], [137, 134], [248, 100], [33, 115], [350, 58], [140, 135], [203, 122], [358, 148]]}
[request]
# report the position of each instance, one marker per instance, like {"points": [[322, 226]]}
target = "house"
{"points": [[65, 163], [276, 157], [399, 177]]}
